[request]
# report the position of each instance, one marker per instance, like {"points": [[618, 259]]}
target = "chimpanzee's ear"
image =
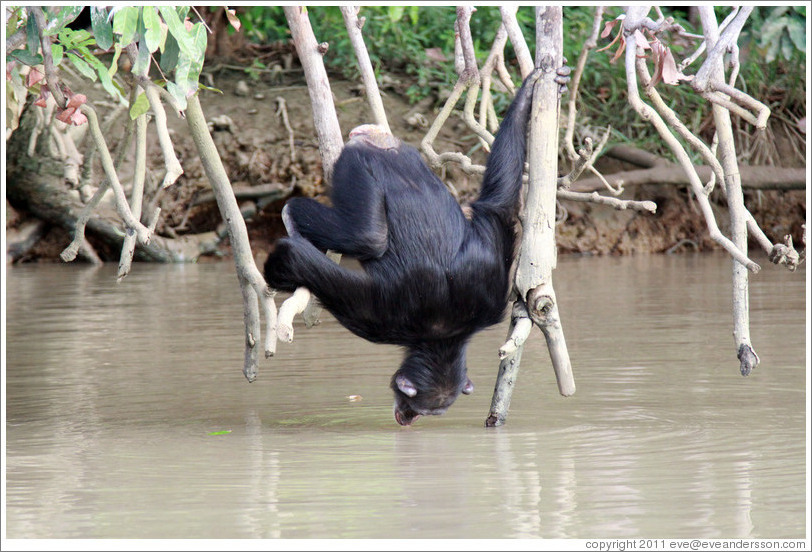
{"points": [[405, 385], [468, 388]]}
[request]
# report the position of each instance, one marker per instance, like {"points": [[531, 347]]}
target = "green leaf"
{"points": [[178, 30], [25, 57], [164, 34], [66, 15], [114, 65], [182, 72], [104, 76], [139, 106], [56, 53], [152, 28], [125, 22], [414, 14], [200, 38], [32, 35], [786, 47], [771, 30], [82, 66], [772, 51], [102, 29], [178, 94], [396, 13], [211, 89], [141, 66], [66, 38], [169, 57], [13, 22], [74, 39], [224, 432], [797, 32]]}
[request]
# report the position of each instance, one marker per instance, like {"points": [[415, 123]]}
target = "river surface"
{"points": [[128, 415]]}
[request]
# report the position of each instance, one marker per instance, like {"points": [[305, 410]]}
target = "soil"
{"points": [[255, 147]]}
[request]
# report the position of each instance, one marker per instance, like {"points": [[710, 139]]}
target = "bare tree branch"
{"points": [[635, 18], [753, 177], [537, 254], [517, 39], [619, 204], [496, 58], [51, 77], [252, 283], [142, 232], [318, 86], [70, 252], [735, 198], [575, 84], [329, 137], [354, 26], [136, 196]]}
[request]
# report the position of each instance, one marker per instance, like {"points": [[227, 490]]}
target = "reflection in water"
{"points": [[118, 397]]}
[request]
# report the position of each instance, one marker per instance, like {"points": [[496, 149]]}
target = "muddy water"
{"points": [[128, 416]]}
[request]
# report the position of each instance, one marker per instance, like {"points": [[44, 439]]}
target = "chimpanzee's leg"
{"points": [[356, 224], [360, 232], [348, 294]]}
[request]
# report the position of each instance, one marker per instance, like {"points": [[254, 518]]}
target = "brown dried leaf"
{"points": [[669, 68], [76, 100], [233, 19], [33, 77], [619, 36], [619, 51], [607, 29], [71, 116], [44, 94]]}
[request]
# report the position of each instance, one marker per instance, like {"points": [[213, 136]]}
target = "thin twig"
{"points": [[136, 195], [619, 204], [575, 84], [354, 26], [632, 22], [282, 111], [141, 231]]}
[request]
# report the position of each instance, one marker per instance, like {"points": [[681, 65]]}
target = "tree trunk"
{"points": [[36, 185], [537, 256], [748, 359]]}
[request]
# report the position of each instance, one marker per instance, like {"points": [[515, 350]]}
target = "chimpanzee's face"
{"points": [[412, 401]]}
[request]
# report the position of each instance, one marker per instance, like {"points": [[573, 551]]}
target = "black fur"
{"points": [[432, 278]]}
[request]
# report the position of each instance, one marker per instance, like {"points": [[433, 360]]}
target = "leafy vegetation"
{"points": [[418, 43], [408, 41], [156, 31]]}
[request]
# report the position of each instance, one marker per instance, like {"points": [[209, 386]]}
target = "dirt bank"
{"points": [[258, 149]]}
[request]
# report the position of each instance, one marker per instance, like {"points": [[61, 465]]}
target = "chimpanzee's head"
{"points": [[426, 384]]}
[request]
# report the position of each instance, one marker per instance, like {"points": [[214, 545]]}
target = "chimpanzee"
{"points": [[431, 276]]}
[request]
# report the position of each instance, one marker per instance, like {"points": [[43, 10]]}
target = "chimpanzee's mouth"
{"points": [[405, 419]]}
